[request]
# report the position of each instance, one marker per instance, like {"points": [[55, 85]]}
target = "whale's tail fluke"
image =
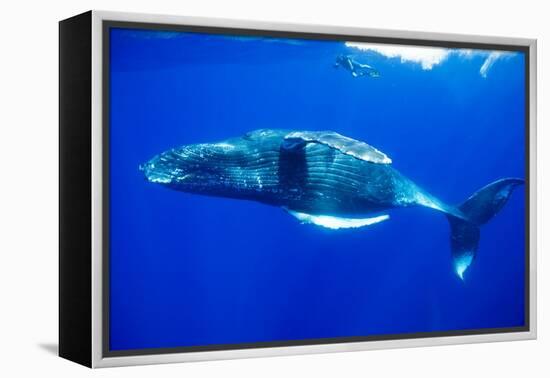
{"points": [[478, 210]]}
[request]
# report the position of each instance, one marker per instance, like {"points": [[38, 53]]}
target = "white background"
{"points": [[29, 174]]}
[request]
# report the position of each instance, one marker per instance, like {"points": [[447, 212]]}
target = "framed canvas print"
{"points": [[235, 189]]}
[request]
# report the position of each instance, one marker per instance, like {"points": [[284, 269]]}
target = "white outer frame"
{"points": [[97, 206]]}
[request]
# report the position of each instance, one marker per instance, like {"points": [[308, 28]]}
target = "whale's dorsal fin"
{"points": [[348, 146]]}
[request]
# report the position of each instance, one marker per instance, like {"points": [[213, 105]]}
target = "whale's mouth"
{"points": [[188, 165], [155, 174], [166, 168]]}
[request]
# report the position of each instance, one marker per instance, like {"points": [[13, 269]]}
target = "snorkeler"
{"points": [[357, 69]]}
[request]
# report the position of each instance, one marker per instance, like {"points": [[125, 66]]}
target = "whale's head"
{"points": [[210, 167], [191, 165]]}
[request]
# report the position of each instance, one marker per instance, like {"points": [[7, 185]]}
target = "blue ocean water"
{"points": [[190, 270]]}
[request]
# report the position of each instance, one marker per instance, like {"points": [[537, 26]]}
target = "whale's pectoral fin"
{"points": [[348, 146], [335, 223]]}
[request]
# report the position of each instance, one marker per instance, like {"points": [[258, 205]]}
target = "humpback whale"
{"points": [[357, 69], [322, 178]]}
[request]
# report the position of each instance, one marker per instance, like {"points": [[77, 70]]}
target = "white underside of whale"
{"points": [[336, 223]]}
